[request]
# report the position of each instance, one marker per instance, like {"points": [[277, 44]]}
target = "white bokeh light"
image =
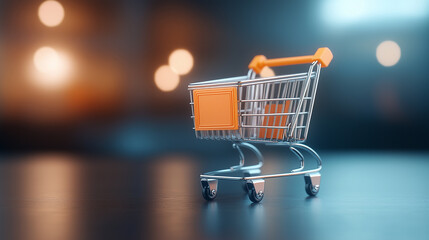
{"points": [[52, 67], [51, 13], [388, 53], [166, 79], [181, 61], [46, 60]]}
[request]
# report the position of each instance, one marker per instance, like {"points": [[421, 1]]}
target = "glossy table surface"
{"points": [[363, 195]]}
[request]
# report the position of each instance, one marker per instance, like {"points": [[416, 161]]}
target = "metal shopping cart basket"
{"points": [[249, 109]]}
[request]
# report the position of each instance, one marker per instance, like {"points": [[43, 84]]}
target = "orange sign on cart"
{"points": [[216, 109]]}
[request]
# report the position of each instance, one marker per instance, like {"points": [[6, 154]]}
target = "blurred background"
{"points": [[110, 77], [96, 139]]}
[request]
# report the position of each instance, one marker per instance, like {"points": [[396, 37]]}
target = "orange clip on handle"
{"points": [[322, 55]]}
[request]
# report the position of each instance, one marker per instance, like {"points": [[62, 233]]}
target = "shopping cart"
{"points": [[272, 110]]}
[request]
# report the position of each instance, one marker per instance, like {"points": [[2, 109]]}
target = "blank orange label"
{"points": [[216, 109], [274, 121]]}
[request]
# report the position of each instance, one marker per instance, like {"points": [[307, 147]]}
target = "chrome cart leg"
{"points": [[209, 188], [248, 171], [312, 183], [312, 180], [310, 151], [255, 189], [240, 166], [300, 156], [252, 148], [298, 171]]}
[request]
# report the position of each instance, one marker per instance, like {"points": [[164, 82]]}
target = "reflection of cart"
{"points": [[273, 110]]}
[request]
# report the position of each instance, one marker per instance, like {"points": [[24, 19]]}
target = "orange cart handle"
{"points": [[322, 55]]}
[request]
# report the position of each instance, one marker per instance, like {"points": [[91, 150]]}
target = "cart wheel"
{"points": [[255, 197], [312, 183], [209, 188], [311, 190], [209, 194], [255, 190]]}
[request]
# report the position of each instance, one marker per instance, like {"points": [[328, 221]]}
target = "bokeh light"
{"points": [[52, 68], [51, 13], [166, 79], [372, 12], [388, 53], [46, 59], [181, 61], [267, 72]]}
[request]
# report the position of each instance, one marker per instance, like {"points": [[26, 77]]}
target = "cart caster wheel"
{"points": [[255, 190], [255, 197], [311, 190], [249, 173], [312, 183], [209, 188], [209, 194]]}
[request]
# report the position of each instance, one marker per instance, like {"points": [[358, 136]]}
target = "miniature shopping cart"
{"points": [[271, 110]]}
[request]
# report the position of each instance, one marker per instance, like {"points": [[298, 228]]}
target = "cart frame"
{"points": [[253, 97]]}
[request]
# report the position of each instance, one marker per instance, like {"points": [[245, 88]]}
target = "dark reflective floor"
{"points": [[362, 196]]}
